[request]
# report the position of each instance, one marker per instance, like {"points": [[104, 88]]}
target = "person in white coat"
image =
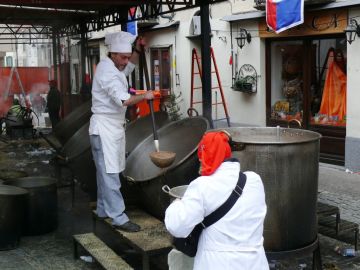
{"points": [[236, 240], [110, 99]]}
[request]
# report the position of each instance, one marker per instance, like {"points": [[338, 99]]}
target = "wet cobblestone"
{"points": [[55, 250]]}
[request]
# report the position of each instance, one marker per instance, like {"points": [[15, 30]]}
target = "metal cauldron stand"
{"points": [[313, 248], [12, 215]]}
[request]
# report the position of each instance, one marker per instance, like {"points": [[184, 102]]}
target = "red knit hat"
{"points": [[213, 149]]}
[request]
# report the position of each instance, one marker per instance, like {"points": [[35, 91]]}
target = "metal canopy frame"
{"points": [[76, 17], [53, 19]]}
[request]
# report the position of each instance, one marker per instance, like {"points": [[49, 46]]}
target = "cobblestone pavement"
{"points": [[337, 187], [54, 250], [342, 189]]}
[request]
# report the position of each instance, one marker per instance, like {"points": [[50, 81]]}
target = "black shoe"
{"points": [[128, 227]]}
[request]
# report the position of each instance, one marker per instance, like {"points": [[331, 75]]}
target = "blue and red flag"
{"points": [[284, 14], [131, 26]]}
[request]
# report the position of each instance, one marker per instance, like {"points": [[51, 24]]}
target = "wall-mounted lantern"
{"points": [[352, 30], [243, 37]]}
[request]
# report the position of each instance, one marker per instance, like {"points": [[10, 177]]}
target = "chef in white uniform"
{"points": [[110, 99], [236, 240]]}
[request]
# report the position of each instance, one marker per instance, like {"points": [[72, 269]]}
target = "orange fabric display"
{"points": [[213, 149], [333, 101], [157, 93], [143, 106]]}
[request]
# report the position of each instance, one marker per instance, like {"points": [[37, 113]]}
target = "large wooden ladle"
{"points": [[161, 159]]}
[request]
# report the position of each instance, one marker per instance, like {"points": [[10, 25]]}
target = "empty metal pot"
{"points": [[12, 215], [288, 162], [6, 174], [41, 210], [77, 151], [72, 122], [77, 155], [136, 131], [181, 137], [67, 127]]}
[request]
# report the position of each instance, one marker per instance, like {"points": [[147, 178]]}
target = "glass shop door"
{"points": [[306, 88]]}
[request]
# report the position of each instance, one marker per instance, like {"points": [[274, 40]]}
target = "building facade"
{"points": [[307, 76]]}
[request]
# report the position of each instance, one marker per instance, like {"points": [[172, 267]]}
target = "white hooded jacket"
{"points": [[236, 240]]}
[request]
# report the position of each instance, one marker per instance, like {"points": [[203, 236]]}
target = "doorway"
{"points": [[306, 82]]}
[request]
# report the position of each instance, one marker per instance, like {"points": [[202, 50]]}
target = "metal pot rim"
{"points": [[8, 190], [295, 135], [31, 182]]}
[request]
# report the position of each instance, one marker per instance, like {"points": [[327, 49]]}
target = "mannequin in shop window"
{"points": [[333, 103], [292, 83]]}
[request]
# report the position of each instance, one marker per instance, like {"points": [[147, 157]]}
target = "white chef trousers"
{"points": [[110, 201]]}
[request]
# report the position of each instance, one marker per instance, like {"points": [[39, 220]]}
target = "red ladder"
{"points": [[196, 58]]}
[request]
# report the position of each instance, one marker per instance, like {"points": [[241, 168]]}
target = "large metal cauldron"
{"points": [[181, 137], [67, 127], [78, 157], [72, 122], [137, 131], [288, 162], [12, 215], [7, 174], [41, 208], [77, 151]]}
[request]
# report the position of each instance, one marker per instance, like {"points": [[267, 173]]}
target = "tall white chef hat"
{"points": [[119, 42]]}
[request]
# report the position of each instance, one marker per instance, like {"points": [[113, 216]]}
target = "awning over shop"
{"points": [[73, 17], [173, 24], [244, 16], [261, 14]]}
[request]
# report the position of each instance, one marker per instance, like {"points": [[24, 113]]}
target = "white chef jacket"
{"points": [[236, 240], [110, 88]]}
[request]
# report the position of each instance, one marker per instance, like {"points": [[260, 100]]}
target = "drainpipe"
{"points": [[69, 59], [61, 76], [232, 55], [54, 54], [83, 53]]}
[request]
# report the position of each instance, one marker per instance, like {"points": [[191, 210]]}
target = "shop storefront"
{"points": [[306, 80]]}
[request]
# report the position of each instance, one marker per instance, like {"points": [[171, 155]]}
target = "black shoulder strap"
{"points": [[228, 204]]}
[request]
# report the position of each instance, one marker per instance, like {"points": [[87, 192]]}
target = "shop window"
{"points": [[287, 80], [308, 81], [161, 68], [328, 85]]}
